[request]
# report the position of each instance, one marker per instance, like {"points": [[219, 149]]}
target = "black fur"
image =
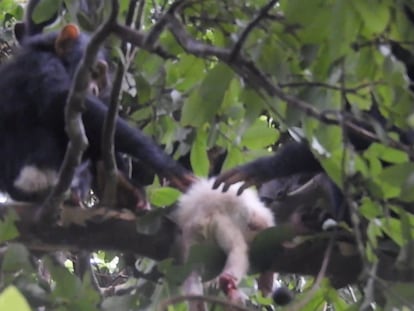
{"points": [[34, 86], [296, 158]]}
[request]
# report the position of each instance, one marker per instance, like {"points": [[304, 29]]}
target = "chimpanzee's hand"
{"points": [[237, 174], [182, 181]]}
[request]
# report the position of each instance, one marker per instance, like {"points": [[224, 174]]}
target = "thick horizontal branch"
{"points": [[92, 229], [103, 229]]}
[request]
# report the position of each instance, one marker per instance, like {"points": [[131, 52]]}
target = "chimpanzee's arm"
{"points": [[133, 142], [292, 158]]}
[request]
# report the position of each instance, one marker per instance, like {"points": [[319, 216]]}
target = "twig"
{"points": [[163, 306], [258, 80], [108, 139], [161, 24], [138, 38], [330, 86], [78, 141], [322, 272], [262, 14]]}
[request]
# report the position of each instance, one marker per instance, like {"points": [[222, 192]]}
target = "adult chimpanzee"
{"points": [[34, 87], [297, 158], [292, 158]]}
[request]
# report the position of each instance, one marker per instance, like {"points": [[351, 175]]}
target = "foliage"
{"points": [[320, 56]]}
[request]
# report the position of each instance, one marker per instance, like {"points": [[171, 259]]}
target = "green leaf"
{"points": [[333, 296], [407, 189], [45, 10], [8, 230], [392, 227], [12, 299], [144, 88], [198, 157], [400, 297], [231, 100], [205, 101], [209, 259], [68, 289], [375, 16], [369, 209], [16, 259], [163, 196], [268, 244], [234, 157], [395, 177], [311, 15], [386, 153], [185, 73], [343, 27], [316, 302], [362, 101], [253, 104], [367, 65], [260, 135]]}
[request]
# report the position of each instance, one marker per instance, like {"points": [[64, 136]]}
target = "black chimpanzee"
{"points": [[34, 86], [297, 158], [292, 158]]}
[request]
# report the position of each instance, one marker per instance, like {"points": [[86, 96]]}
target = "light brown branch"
{"points": [[73, 117]]}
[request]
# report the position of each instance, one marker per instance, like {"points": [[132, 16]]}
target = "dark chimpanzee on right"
{"points": [[34, 86], [296, 158]]}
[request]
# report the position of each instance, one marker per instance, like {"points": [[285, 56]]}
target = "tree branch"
{"points": [[330, 86], [258, 80], [243, 37], [73, 117], [87, 229], [138, 38], [108, 139], [155, 32]]}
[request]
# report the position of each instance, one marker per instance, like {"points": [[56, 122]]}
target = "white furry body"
{"points": [[33, 179], [229, 220]]}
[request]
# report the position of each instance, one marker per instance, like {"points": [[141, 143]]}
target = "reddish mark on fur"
{"points": [[69, 32], [227, 283]]}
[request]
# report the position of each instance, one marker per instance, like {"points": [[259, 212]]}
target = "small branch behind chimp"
{"points": [[108, 139], [73, 116]]}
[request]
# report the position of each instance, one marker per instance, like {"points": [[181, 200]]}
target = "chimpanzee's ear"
{"points": [[19, 31], [67, 36]]}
